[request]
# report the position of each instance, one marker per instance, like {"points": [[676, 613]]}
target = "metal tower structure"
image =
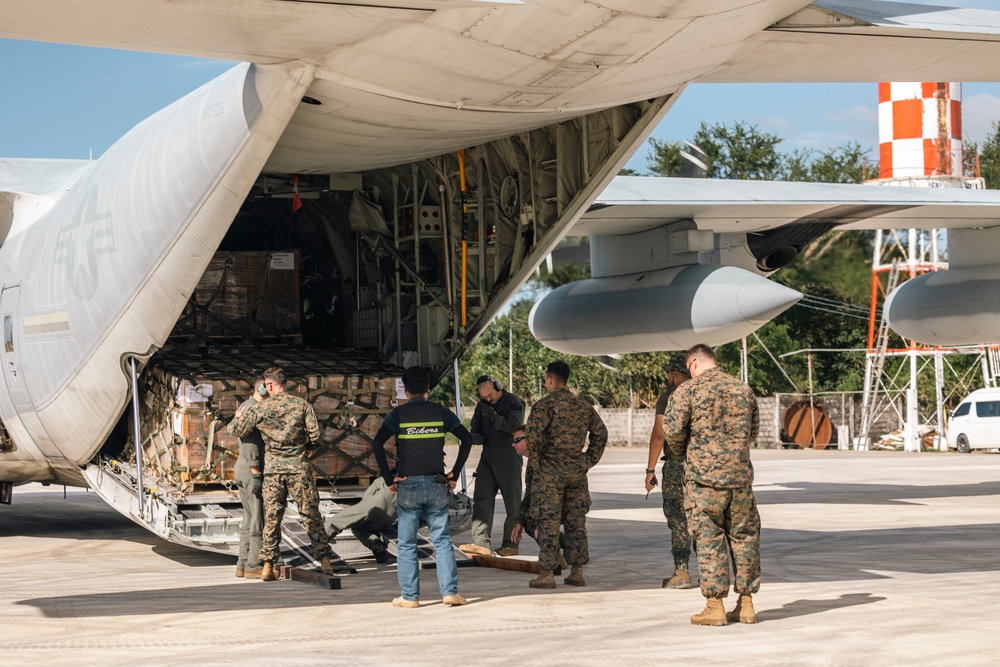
{"points": [[920, 145]]}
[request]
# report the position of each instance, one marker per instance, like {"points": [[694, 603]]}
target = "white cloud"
{"points": [[978, 114], [858, 114], [777, 124]]}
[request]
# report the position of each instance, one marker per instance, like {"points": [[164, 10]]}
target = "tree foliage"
{"points": [[989, 157], [744, 152], [740, 151]]}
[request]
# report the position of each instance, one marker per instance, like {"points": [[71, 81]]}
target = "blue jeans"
{"points": [[416, 496]]}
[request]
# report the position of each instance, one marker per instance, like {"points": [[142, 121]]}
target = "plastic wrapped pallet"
{"points": [[187, 404], [251, 294]]}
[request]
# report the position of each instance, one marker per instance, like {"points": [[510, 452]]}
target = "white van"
{"points": [[975, 423]]}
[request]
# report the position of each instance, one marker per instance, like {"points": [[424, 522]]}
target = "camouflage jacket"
{"points": [[714, 417], [288, 424], [557, 434]]}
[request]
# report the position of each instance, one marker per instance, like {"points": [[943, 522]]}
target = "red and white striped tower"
{"points": [[920, 134], [920, 144]]}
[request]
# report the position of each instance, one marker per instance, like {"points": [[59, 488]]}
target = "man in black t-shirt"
{"points": [[421, 485]]}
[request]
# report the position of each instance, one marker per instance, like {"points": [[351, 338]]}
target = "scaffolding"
{"points": [[893, 369]]}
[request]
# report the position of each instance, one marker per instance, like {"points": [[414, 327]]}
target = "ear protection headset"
{"points": [[486, 378], [262, 391]]}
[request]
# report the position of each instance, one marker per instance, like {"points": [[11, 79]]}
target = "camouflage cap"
{"points": [[676, 363]]}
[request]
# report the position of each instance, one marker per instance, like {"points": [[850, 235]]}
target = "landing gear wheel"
{"points": [[963, 444]]}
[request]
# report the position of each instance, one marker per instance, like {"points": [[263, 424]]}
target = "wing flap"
{"points": [[633, 204]]}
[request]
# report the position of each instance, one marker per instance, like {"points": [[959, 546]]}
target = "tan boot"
{"points": [[681, 580], [713, 613], [240, 571], [267, 574], [454, 600], [562, 561], [575, 577], [404, 603], [545, 579], [508, 551], [743, 611], [254, 574], [325, 566]]}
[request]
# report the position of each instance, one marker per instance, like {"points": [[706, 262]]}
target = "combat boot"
{"points": [[325, 566], [743, 611], [508, 551], [267, 574], [253, 574], [545, 579], [713, 613], [562, 561], [378, 550], [240, 571], [680, 580], [575, 577]]}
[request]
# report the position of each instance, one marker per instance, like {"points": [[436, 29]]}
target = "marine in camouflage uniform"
{"points": [[672, 480], [713, 420], [288, 424], [524, 518], [560, 456]]}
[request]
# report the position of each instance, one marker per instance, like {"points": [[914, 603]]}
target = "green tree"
{"points": [[844, 164], [989, 157], [740, 151], [665, 157]]}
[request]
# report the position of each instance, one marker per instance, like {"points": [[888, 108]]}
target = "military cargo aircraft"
{"points": [[436, 152]]}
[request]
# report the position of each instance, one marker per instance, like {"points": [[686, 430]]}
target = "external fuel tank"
{"points": [[669, 309]]}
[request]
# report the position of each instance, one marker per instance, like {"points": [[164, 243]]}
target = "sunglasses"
{"points": [[519, 439]]}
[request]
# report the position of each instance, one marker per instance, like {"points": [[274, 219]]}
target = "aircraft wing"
{"points": [[836, 40], [400, 80], [633, 204]]}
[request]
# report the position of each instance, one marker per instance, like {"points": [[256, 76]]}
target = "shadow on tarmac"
{"points": [[79, 516], [794, 555], [819, 493], [190, 600], [869, 494], [806, 607]]}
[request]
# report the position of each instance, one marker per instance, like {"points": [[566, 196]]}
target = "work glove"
{"points": [[489, 414], [257, 485]]}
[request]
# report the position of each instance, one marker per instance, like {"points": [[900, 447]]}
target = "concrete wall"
{"points": [[631, 428], [627, 427]]}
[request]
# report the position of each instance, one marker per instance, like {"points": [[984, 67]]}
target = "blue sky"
{"points": [[65, 101]]}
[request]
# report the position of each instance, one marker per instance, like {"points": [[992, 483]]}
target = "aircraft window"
{"points": [[8, 334], [962, 410], [988, 408]]}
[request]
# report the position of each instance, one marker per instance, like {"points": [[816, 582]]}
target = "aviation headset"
{"points": [[487, 378], [262, 391]]}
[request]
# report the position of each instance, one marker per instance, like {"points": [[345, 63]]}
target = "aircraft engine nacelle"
{"points": [[669, 309], [959, 306]]}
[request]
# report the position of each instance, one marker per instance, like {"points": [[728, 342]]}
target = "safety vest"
{"points": [[420, 441]]}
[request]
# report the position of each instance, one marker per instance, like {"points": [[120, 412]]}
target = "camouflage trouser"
{"points": [[560, 497], [531, 527], [301, 487], [673, 509], [718, 515]]}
